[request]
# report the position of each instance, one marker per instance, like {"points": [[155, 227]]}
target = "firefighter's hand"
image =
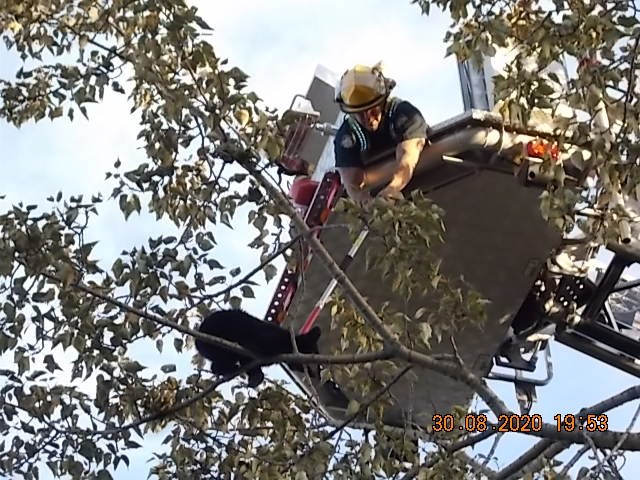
{"points": [[391, 194]]}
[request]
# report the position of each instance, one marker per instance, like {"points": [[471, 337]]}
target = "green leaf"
{"points": [[118, 268], [182, 288], [420, 312], [24, 364], [104, 475], [134, 203], [247, 292], [132, 366], [424, 333], [10, 311], [270, 272], [545, 89], [163, 293], [25, 427], [235, 302], [51, 364], [87, 450], [353, 407], [214, 264], [627, 21], [202, 24], [76, 469], [204, 243], [132, 444], [123, 202]]}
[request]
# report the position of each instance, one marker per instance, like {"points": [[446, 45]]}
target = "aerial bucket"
{"points": [[496, 239]]}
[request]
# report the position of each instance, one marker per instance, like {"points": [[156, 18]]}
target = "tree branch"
{"points": [[534, 459], [450, 448], [267, 261], [569, 465], [617, 447], [631, 84], [384, 354], [608, 439], [460, 373], [173, 410], [369, 401], [325, 257], [365, 404], [158, 415], [492, 450], [476, 466]]}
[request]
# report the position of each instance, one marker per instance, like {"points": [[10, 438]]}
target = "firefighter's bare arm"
{"points": [[407, 157], [354, 181]]}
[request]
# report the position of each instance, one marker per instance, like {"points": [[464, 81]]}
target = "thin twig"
{"points": [[384, 354], [368, 402], [492, 450], [574, 460], [451, 449], [268, 260], [164, 413], [615, 449], [534, 459]]}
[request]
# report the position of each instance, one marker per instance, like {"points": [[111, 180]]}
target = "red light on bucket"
{"points": [[539, 148]]}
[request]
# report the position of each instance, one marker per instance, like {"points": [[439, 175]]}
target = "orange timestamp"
{"points": [[521, 423], [589, 423], [479, 422]]}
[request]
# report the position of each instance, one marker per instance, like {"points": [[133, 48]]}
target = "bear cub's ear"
{"points": [[314, 334], [308, 342]]}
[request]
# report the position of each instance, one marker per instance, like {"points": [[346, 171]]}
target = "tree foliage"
{"points": [[209, 142], [600, 41]]}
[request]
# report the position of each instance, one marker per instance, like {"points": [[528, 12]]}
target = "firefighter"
{"points": [[375, 123]]}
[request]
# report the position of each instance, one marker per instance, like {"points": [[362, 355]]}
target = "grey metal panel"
{"points": [[321, 95], [540, 123], [473, 86], [496, 238]]}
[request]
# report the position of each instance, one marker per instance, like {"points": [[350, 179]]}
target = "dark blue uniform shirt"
{"points": [[355, 146]]}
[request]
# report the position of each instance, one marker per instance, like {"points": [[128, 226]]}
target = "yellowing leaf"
{"points": [[94, 14], [14, 26], [353, 407]]}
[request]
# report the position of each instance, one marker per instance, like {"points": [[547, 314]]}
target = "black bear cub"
{"points": [[262, 338]]}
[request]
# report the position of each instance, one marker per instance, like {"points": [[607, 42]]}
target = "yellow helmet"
{"points": [[362, 87]]}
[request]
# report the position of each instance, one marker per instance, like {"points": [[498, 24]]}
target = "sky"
{"points": [[278, 43]]}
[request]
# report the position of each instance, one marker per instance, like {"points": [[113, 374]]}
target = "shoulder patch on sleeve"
{"points": [[347, 141]]}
